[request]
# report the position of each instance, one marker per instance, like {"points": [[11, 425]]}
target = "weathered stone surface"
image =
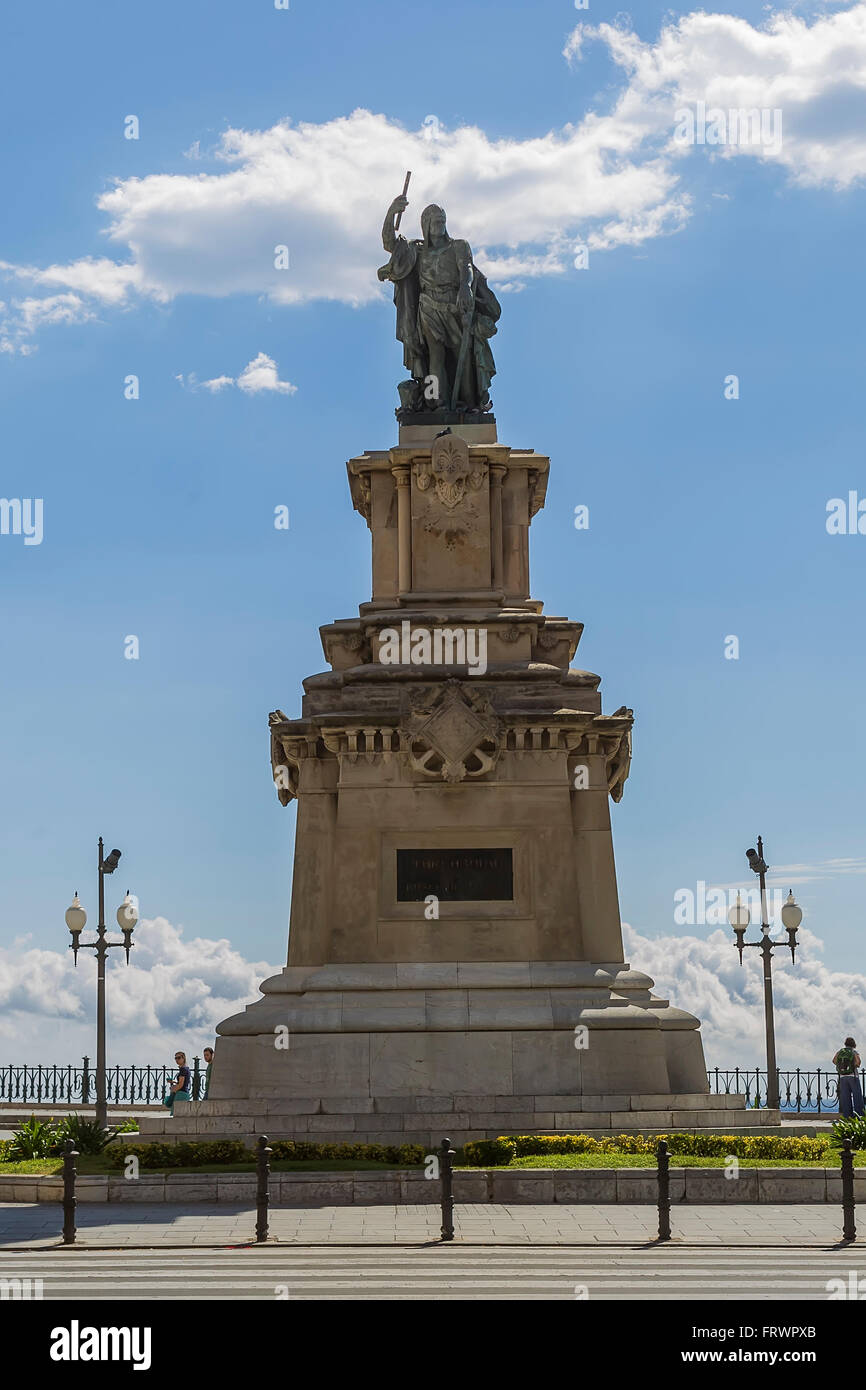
{"points": [[791, 1184], [585, 1185], [710, 1185]]}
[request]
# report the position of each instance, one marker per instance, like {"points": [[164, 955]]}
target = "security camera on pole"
{"points": [[76, 919], [739, 918]]}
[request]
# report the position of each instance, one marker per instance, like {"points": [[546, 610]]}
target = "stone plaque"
{"points": [[455, 875]]}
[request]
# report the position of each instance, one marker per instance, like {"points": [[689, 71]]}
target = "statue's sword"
{"points": [[465, 341], [405, 191]]}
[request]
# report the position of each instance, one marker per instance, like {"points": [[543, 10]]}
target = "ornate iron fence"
{"points": [[58, 1085], [801, 1091]]}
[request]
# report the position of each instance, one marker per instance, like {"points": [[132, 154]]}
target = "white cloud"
{"points": [[55, 308], [617, 178], [259, 375], [814, 73], [101, 278], [815, 1007], [175, 991], [172, 994]]}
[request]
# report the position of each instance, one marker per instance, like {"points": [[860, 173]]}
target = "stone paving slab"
{"points": [[161, 1225]]}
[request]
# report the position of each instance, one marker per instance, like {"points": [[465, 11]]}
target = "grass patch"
{"points": [[88, 1166], [832, 1160]]}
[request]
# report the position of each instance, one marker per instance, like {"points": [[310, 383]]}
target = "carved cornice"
{"points": [[451, 733]]}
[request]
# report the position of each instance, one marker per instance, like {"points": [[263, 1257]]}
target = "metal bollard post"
{"points": [[446, 1173], [263, 1173], [69, 1202], [849, 1230], [664, 1181]]}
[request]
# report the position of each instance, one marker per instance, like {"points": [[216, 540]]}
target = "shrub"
{"points": [[482, 1153]]}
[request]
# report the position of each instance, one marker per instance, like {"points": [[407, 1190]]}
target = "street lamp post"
{"points": [[739, 918], [76, 919]]}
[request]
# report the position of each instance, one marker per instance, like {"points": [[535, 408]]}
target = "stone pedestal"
{"points": [[455, 951]]}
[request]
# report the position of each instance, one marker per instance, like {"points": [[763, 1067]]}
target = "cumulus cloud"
{"points": [[100, 278], [172, 994], [175, 991], [258, 376], [261, 375], [814, 74], [815, 1006], [617, 178]]}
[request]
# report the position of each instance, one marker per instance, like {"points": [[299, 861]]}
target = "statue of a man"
{"points": [[446, 315]]}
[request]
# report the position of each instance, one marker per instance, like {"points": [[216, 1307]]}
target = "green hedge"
{"points": [[502, 1150], [222, 1151], [185, 1155], [399, 1154]]}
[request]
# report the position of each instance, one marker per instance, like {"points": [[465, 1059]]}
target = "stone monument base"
{"points": [[404, 1053]]}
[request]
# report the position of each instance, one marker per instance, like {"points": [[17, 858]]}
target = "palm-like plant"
{"points": [[853, 1129], [34, 1139]]}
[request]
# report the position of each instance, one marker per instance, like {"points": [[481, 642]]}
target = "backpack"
{"points": [[845, 1064]]}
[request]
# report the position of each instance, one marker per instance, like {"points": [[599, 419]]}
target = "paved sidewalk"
{"points": [[162, 1225]]}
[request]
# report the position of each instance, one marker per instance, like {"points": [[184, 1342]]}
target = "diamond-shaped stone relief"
{"points": [[452, 733]]}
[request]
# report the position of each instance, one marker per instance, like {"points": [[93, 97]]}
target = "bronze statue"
{"points": [[446, 315]]}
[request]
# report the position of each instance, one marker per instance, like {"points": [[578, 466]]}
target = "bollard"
{"points": [[849, 1230], [446, 1172], [664, 1180], [69, 1157], [263, 1173]]}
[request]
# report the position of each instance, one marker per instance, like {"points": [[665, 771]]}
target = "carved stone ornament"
{"points": [[354, 643], [285, 759], [618, 762], [452, 733], [450, 470]]}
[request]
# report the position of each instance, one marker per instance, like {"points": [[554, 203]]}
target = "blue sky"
{"points": [[707, 515]]}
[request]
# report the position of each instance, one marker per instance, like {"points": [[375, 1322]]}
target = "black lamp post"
{"points": [[76, 918], [739, 918]]}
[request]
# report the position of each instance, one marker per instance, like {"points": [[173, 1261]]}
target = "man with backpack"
{"points": [[847, 1064]]}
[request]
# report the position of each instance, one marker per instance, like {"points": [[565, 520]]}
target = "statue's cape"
{"points": [[402, 269]]}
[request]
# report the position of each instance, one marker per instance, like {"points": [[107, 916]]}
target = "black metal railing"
{"points": [[59, 1085], [802, 1090]]}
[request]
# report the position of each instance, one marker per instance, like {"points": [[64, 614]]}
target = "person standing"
{"points": [[208, 1056], [847, 1064], [181, 1087]]}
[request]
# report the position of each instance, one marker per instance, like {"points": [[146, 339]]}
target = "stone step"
{"points": [[430, 1129], [461, 1104]]}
